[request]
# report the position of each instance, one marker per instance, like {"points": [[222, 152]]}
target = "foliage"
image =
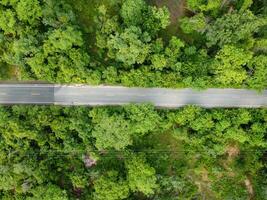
{"points": [[48, 192], [259, 69], [134, 151], [230, 66], [234, 28], [195, 23], [111, 132], [57, 56], [128, 47], [29, 11], [109, 186], [132, 42], [140, 175], [132, 11], [43, 42], [44, 153]]}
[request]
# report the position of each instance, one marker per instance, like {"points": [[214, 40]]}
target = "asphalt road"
{"points": [[26, 94], [107, 95]]}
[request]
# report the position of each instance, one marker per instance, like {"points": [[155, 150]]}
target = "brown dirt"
{"points": [[232, 151], [249, 187]]}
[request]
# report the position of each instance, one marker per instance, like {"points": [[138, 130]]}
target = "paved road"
{"points": [[26, 94], [107, 95]]}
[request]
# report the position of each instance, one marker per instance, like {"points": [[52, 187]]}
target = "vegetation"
{"points": [[216, 43], [136, 151], [62, 153]]}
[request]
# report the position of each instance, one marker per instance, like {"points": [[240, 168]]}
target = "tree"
{"points": [[156, 19], [58, 14], [234, 28], [159, 62], [195, 23], [132, 12], [49, 191], [129, 47], [7, 21], [211, 6], [143, 118], [246, 4], [29, 10], [258, 73], [110, 186], [174, 48], [111, 131], [229, 66], [130, 43], [61, 57], [140, 175], [43, 42]]}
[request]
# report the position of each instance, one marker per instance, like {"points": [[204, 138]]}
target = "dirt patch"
{"points": [[249, 187], [232, 151]]}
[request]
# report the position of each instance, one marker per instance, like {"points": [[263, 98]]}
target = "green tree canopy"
{"points": [[110, 186], [234, 28], [140, 175], [230, 65], [111, 131]]}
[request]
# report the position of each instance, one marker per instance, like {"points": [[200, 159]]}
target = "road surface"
{"points": [[111, 95], [26, 94]]}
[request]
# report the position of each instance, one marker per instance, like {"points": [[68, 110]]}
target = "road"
{"points": [[111, 95], [26, 94]]}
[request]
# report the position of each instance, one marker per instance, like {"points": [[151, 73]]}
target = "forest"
{"points": [[132, 152], [145, 43], [136, 151]]}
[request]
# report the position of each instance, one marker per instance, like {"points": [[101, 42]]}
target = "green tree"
{"points": [[49, 191], [140, 175], [258, 70], [234, 28], [174, 50], [111, 131], [61, 57], [159, 61], [212, 6], [130, 43], [156, 19], [110, 186], [132, 12], [195, 23], [129, 47], [7, 21], [143, 118], [29, 10], [230, 66]]}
